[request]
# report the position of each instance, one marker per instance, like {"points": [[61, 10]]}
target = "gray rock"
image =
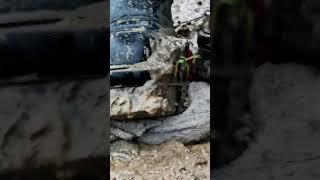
{"points": [[120, 133], [136, 129], [123, 150], [191, 15], [192, 125]]}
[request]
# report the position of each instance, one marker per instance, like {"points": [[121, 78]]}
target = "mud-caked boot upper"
{"points": [[130, 24]]}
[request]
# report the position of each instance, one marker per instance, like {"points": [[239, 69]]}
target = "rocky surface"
{"points": [[49, 123], [171, 160], [191, 126], [191, 19], [285, 101], [147, 115], [191, 15], [156, 97]]}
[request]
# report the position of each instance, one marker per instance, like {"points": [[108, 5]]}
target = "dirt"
{"points": [[170, 160]]}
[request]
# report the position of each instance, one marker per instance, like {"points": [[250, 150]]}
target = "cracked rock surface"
{"points": [[191, 15]]}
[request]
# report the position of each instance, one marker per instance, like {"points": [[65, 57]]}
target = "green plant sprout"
{"points": [[184, 65]]}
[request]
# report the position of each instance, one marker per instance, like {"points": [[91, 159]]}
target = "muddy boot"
{"points": [[132, 22]]}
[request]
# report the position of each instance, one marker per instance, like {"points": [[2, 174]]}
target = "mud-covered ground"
{"points": [[171, 160]]}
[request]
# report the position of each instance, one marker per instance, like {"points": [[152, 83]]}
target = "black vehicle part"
{"points": [[204, 45], [65, 52], [35, 39], [129, 78], [31, 5], [128, 48]]}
